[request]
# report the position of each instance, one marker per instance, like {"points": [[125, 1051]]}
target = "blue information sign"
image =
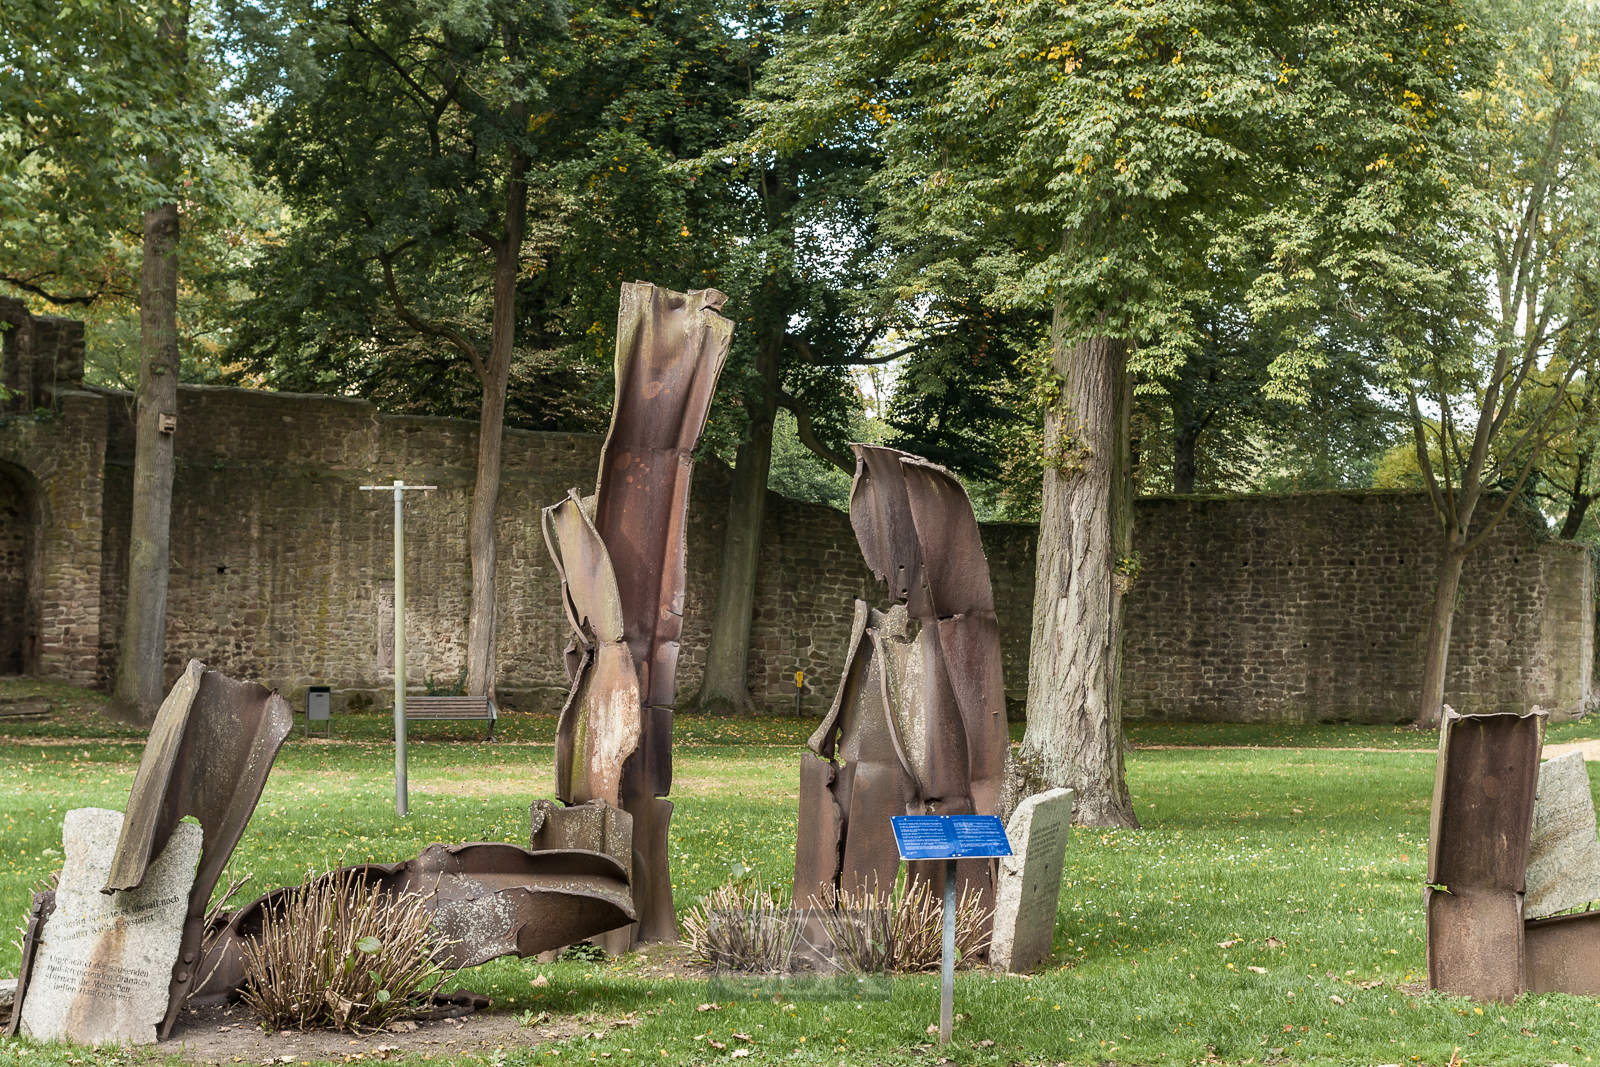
{"points": [[943, 837]]}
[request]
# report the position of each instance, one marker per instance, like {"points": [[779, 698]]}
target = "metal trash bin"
{"points": [[319, 707]]}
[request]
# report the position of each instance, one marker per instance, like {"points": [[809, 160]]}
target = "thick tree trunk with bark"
{"points": [[1430, 711], [1084, 565], [495, 373], [138, 690], [725, 688]]}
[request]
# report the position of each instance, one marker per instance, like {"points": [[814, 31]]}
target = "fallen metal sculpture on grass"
{"points": [[918, 725]]}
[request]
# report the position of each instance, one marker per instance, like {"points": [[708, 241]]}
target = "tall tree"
{"points": [[1105, 157], [106, 115], [403, 133], [1486, 363]]}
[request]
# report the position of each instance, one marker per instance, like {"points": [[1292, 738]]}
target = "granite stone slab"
{"points": [[105, 960], [1563, 852], [1030, 881]]}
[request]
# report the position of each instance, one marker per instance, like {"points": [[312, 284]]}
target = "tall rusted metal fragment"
{"points": [[918, 725], [208, 756], [487, 899], [1483, 796], [600, 725], [670, 351]]}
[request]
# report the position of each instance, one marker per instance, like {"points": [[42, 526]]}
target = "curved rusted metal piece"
{"points": [[918, 725], [671, 348], [957, 573], [209, 753], [670, 351], [601, 722], [1483, 796], [489, 899]]}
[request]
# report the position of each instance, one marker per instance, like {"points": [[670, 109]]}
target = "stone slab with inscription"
{"points": [[1029, 885], [105, 961], [1563, 851]]}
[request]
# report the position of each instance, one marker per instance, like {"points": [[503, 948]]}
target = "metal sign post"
{"points": [[401, 798], [948, 838]]}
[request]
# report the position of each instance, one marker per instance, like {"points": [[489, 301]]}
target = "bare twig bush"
{"points": [[875, 930], [742, 926], [334, 952], [862, 928]]}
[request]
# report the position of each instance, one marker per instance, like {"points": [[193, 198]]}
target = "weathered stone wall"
{"points": [[1273, 607], [281, 563], [16, 523], [57, 464], [1315, 606]]}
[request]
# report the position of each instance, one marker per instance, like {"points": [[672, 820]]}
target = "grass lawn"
{"points": [[1304, 853]]}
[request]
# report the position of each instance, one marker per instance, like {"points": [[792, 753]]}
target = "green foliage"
{"points": [[102, 115], [1104, 160], [1484, 353]]}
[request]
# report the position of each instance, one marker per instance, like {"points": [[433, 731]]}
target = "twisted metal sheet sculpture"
{"points": [[621, 558], [918, 725]]}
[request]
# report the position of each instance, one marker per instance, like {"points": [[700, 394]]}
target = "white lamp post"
{"points": [[401, 799]]}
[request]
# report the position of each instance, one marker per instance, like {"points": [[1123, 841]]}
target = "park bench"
{"points": [[424, 709]]}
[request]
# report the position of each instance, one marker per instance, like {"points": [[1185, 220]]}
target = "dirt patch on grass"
{"points": [[231, 1035]]}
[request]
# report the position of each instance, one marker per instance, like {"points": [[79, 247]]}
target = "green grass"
{"points": [[1322, 850]]}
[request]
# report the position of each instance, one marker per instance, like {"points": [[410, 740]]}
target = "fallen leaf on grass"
{"points": [[717, 1044], [1228, 944], [985, 1043], [1258, 970], [738, 1052], [1337, 999], [540, 982], [745, 1037], [1273, 942], [708, 1007]]}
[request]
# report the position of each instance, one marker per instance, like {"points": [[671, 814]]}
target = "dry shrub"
{"points": [[875, 931], [335, 952], [742, 926]]}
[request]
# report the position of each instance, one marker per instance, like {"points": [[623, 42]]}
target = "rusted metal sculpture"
{"points": [[1483, 793], [1485, 798], [620, 555], [208, 756], [918, 725], [487, 899]]}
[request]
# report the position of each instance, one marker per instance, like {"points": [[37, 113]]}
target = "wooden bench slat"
{"points": [[456, 708]]}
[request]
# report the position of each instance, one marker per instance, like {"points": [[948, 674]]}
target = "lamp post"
{"points": [[401, 798]]}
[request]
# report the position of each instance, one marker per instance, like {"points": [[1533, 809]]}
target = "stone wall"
{"points": [[1315, 606], [56, 466], [16, 527], [1256, 608], [281, 564]]}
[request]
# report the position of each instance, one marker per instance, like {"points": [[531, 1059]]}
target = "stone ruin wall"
{"points": [[282, 566], [1293, 607], [1315, 606]]}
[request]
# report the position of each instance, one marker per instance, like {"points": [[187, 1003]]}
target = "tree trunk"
{"points": [[724, 687], [1185, 436], [1084, 564], [138, 691], [1580, 500], [1434, 663], [491, 432]]}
